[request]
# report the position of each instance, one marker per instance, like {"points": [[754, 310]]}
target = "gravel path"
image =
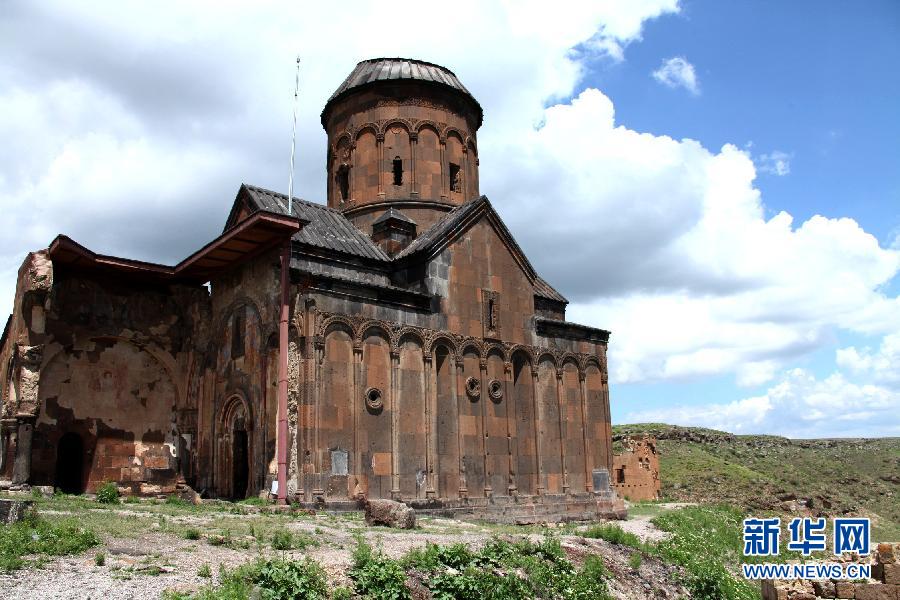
{"points": [[147, 565]]}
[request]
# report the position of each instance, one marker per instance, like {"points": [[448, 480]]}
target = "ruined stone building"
{"points": [[426, 359], [636, 469]]}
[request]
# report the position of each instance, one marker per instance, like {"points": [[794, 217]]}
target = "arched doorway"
{"points": [[240, 466], [70, 464], [234, 470]]}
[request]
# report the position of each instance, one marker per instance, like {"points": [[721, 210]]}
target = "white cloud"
{"points": [[799, 405], [677, 72], [668, 245], [883, 364], [135, 124], [775, 163]]}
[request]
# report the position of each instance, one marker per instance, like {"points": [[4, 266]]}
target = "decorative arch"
{"points": [[391, 122], [546, 355], [235, 447], [428, 124], [403, 334], [368, 327], [370, 127], [471, 345], [446, 341], [338, 322], [496, 349], [225, 315], [453, 131]]}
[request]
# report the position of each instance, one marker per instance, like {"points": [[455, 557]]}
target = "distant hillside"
{"points": [[828, 476]]}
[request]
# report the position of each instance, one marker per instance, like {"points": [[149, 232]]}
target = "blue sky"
{"points": [[715, 182], [817, 82]]}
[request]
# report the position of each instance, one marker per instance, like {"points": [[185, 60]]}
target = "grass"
{"points": [[276, 579], [500, 570], [36, 536], [840, 476]]}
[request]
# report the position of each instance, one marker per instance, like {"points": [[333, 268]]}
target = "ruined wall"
{"points": [[237, 401], [95, 372], [635, 472]]}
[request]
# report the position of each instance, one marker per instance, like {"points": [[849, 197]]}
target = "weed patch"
{"points": [[35, 535]]}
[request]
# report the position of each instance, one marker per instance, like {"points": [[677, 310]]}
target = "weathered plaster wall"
{"points": [[635, 472]]}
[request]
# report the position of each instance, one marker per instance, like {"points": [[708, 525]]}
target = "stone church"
{"points": [[394, 343]]}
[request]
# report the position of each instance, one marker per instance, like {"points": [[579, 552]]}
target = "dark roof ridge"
{"points": [[311, 203], [404, 58]]}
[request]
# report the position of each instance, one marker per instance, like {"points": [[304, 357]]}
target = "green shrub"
{"points": [[505, 570], [616, 535], [634, 561], [282, 540], [108, 493], [704, 539], [377, 576], [341, 593], [173, 500], [100, 559], [204, 571], [35, 535], [590, 581], [276, 580], [192, 533]]}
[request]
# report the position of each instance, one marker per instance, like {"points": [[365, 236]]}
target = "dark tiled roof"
{"points": [[545, 290], [327, 228], [382, 69], [442, 227], [392, 213]]}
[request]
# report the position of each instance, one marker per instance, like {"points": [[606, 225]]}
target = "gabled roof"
{"points": [[327, 228], [455, 223], [392, 213], [545, 290], [330, 230]]}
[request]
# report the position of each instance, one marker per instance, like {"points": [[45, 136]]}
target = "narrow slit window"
{"points": [[398, 171], [490, 311], [343, 181], [237, 335], [455, 179]]}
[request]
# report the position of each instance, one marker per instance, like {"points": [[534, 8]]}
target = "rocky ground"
{"points": [[145, 549]]}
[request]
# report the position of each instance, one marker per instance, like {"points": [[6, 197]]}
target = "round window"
{"points": [[374, 399], [473, 388]]}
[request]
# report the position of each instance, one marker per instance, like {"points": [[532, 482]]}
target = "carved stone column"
{"points": [[459, 394], [22, 463], [444, 185], [382, 171], [357, 389], [511, 423], [538, 423], [430, 426], [464, 172], [395, 425], [562, 437], [318, 490], [482, 365], [586, 439], [413, 150]]}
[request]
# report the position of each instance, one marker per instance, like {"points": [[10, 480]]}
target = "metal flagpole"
{"points": [[293, 140], [282, 416]]}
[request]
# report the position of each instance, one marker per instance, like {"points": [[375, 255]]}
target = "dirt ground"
{"points": [[146, 552]]}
